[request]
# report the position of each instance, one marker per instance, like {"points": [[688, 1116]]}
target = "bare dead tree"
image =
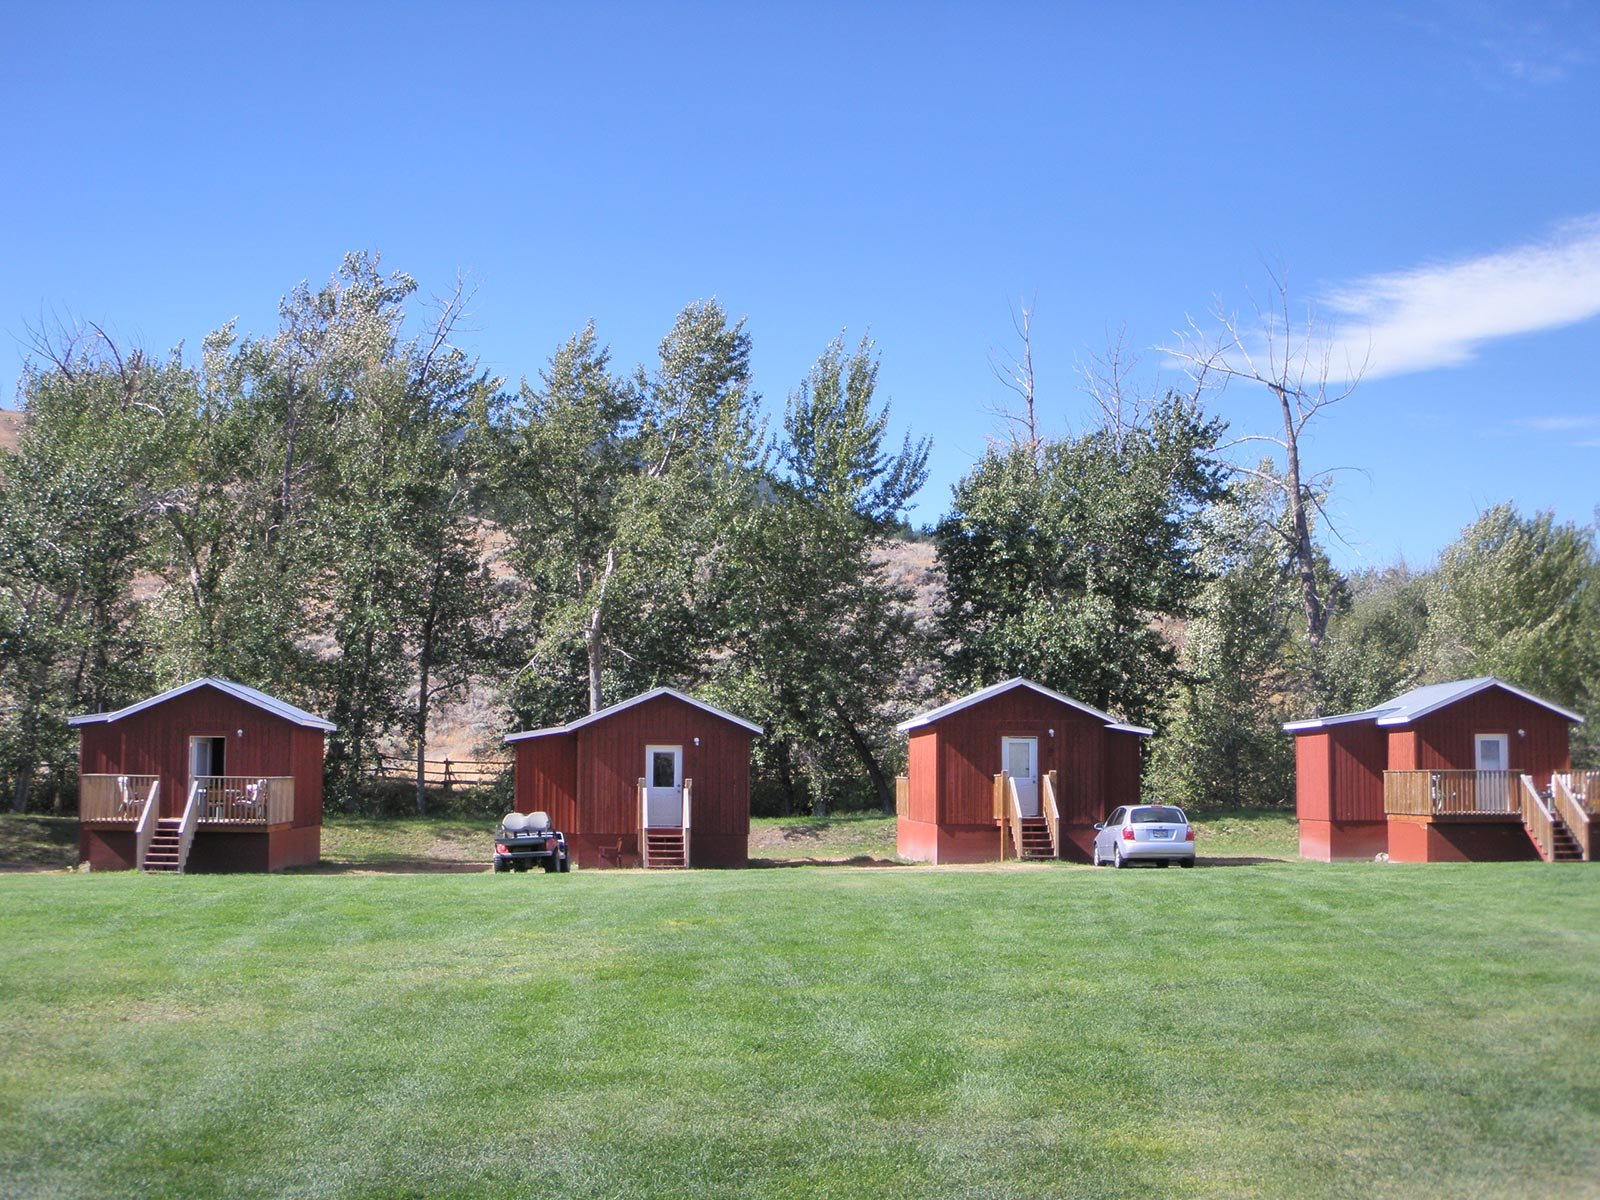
{"points": [[1015, 370], [1105, 378], [1291, 360]]}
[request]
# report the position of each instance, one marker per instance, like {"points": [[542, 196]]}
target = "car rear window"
{"points": [[1157, 815]]}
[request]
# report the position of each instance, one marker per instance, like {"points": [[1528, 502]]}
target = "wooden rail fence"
{"points": [[443, 773]]}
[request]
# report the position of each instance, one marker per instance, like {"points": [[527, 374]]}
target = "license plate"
{"points": [[1161, 833]]}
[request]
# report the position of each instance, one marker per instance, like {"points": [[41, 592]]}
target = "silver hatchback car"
{"points": [[1158, 833]]}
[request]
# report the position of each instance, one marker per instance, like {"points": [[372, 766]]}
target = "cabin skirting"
{"points": [[214, 849], [1422, 839], [592, 851], [1329, 841]]}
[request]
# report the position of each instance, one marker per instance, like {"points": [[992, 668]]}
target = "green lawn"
{"points": [[1250, 1030]]}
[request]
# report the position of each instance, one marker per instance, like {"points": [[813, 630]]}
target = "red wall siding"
{"points": [[547, 780], [922, 776], [306, 750], [610, 763], [1445, 738], [1403, 750], [969, 756], [156, 742], [1358, 752], [1124, 755], [1313, 776]]}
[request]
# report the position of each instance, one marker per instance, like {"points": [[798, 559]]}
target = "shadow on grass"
{"points": [[408, 867], [859, 860]]}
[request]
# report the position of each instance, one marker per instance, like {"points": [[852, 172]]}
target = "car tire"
{"points": [[1095, 858], [1117, 860], [1162, 863], [1186, 862], [566, 865], [499, 864]]}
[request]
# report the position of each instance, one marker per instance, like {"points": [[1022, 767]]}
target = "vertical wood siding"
{"points": [[1357, 755], [588, 780], [1313, 776], [1124, 770], [156, 742], [546, 779], [922, 776], [969, 756], [1444, 739], [610, 763]]}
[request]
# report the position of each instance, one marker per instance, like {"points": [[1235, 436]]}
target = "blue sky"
{"points": [[1425, 173]]}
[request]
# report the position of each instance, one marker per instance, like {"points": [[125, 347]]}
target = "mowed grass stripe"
{"points": [[1260, 1030]]}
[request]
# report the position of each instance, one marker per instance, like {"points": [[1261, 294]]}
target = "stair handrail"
{"points": [[1052, 814], [147, 824], [186, 827], [1000, 809], [644, 824], [1572, 815], [1536, 819], [1016, 813], [687, 785]]}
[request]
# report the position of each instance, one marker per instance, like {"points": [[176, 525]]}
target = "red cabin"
{"points": [[1013, 770], [661, 780], [210, 776], [1470, 770]]}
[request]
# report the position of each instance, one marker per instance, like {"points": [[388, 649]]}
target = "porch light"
{"points": [[697, 741], [240, 732], [1522, 733], [1052, 733]]}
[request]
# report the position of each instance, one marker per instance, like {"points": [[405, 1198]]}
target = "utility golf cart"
{"points": [[525, 840]]}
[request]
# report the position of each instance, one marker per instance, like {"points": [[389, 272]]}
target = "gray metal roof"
{"points": [[996, 689], [238, 691], [1419, 702], [579, 723]]}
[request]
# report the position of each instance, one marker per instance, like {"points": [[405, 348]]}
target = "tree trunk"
{"points": [[863, 749], [19, 798]]}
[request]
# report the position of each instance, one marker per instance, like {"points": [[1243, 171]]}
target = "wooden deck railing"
{"points": [[114, 797], [1449, 793], [1536, 818], [1585, 789], [245, 799], [1052, 814], [1573, 815]]}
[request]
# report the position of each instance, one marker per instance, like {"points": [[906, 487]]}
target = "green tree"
{"points": [[1221, 745], [1519, 597], [75, 508], [618, 495], [1061, 568], [820, 627]]}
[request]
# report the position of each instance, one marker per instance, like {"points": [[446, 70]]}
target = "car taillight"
{"points": [[1127, 833], [1188, 835], [550, 845], [499, 849]]}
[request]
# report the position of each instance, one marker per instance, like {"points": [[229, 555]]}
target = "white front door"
{"points": [[663, 785], [1492, 752], [1020, 757]]}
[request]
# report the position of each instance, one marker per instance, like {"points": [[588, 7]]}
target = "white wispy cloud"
{"points": [[1439, 315]]}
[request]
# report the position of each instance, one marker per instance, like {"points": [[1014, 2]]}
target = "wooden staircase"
{"points": [[166, 847], [1033, 841], [1565, 847], [665, 847]]}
